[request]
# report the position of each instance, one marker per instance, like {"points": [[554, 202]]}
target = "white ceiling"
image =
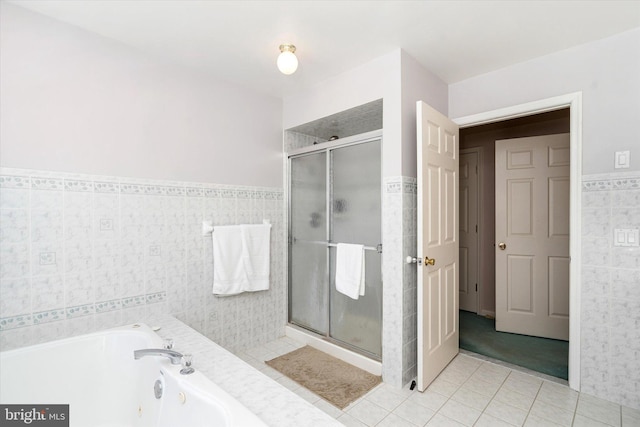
{"points": [[238, 40]]}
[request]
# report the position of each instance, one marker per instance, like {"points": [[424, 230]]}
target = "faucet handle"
{"points": [[186, 364], [168, 343], [187, 358]]}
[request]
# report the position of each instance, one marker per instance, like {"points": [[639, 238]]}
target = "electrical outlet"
{"points": [[622, 159]]}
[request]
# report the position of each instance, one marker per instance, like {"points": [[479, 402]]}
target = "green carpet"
{"points": [[478, 334]]}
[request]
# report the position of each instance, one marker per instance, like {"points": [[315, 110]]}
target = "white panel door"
{"points": [[469, 255], [438, 231], [532, 236]]}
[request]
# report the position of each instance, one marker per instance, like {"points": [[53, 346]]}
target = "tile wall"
{"points": [[610, 312], [399, 333], [410, 280], [80, 253], [294, 140]]}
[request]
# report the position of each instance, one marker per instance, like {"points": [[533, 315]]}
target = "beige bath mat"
{"points": [[332, 379]]}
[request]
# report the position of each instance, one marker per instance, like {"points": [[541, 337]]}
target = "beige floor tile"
{"points": [[465, 363], [393, 420], [487, 420], [523, 383], [443, 387], [558, 395], [471, 398], [599, 410], [507, 413], [630, 417], [429, 399], [455, 376], [535, 421], [514, 398], [440, 420], [414, 412], [480, 386], [551, 413], [367, 412], [582, 421], [351, 421], [492, 373], [458, 412], [386, 397]]}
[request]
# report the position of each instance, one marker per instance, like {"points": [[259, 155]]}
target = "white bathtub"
{"points": [[97, 375]]}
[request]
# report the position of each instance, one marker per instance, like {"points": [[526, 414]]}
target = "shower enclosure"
{"points": [[335, 197]]}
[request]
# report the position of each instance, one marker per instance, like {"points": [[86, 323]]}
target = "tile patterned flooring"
{"points": [[469, 392]]}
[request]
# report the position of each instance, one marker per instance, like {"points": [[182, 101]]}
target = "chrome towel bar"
{"points": [[377, 248]]}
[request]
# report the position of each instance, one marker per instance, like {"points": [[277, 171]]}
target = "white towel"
{"points": [[241, 258], [350, 270], [229, 276], [256, 256]]}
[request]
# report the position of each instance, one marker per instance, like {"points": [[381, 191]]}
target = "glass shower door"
{"points": [[335, 197], [356, 218], [308, 266]]}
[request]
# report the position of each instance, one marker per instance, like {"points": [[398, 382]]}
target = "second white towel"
{"points": [[241, 258], [350, 270], [256, 239]]}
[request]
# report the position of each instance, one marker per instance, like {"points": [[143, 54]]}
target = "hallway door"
{"points": [[438, 232], [469, 220], [532, 236]]}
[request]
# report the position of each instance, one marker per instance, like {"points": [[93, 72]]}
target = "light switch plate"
{"points": [[626, 237], [622, 159]]}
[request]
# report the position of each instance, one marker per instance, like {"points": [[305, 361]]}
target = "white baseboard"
{"points": [[488, 313], [362, 362]]}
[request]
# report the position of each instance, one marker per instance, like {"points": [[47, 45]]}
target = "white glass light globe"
{"points": [[287, 62]]}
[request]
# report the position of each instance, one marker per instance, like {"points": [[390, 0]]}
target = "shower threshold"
{"points": [[321, 343]]}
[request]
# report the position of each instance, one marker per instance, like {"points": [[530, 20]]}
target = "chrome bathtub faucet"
{"points": [[174, 356]]}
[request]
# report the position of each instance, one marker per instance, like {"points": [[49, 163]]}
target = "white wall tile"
{"points": [[15, 225], [625, 284], [610, 291], [626, 198], [13, 198], [79, 252], [596, 199], [15, 297], [14, 260]]}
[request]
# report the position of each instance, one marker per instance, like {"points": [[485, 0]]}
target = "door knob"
{"points": [[502, 246], [429, 261], [412, 260]]}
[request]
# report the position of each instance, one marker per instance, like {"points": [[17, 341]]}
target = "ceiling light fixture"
{"points": [[287, 61]]}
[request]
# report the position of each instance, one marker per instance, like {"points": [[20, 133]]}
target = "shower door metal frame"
{"points": [[327, 147]]}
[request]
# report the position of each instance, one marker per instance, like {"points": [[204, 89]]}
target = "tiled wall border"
{"points": [[611, 181], [23, 320], [24, 179]]}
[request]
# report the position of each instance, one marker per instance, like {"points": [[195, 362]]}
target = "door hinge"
{"points": [[476, 169], [476, 287], [476, 228]]}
